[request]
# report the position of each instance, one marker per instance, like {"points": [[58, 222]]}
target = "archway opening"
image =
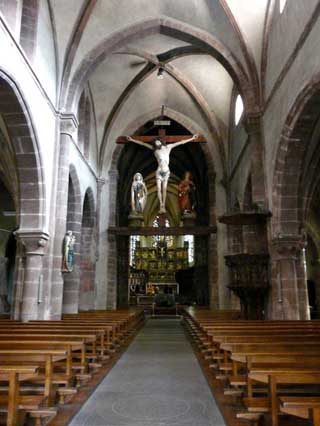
{"points": [[8, 224], [87, 254], [73, 226], [152, 263], [22, 198]]}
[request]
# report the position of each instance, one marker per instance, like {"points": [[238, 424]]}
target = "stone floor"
{"points": [[157, 382]]}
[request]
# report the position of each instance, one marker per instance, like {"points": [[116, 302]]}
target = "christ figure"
{"points": [[162, 153]]}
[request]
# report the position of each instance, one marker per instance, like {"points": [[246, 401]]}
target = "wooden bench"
{"points": [[306, 407], [11, 403], [47, 355], [268, 353], [276, 375]]}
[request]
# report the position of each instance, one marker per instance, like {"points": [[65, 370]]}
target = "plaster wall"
{"points": [[11, 11], [117, 15], [87, 178], [70, 11], [206, 83], [93, 146], [140, 103], [284, 34], [45, 62], [251, 20], [240, 178]]}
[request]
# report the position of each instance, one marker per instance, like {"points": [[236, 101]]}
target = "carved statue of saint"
{"points": [[68, 252], [162, 153], [139, 194], [186, 193]]}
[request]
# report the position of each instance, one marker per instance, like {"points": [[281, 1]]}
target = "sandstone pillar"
{"points": [[34, 244], [289, 297], [253, 128], [68, 127], [112, 266]]}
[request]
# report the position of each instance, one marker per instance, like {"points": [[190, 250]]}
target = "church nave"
{"points": [[157, 382]]}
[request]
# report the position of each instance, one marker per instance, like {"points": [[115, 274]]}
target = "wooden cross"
{"points": [[162, 134]]}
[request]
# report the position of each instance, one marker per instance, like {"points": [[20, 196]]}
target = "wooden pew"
{"points": [[44, 357], [53, 347], [13, 401], [273, 347], [275, 375], [306, 407]]}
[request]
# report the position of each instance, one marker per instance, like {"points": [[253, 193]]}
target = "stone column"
{"points": [[100, 284], [253, 128], [34, 243], [289, 297], [111, 242], [212, 268], [122, 271], [68, 128]]}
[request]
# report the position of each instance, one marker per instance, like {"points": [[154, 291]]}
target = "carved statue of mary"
{"points": [[68, 252]]}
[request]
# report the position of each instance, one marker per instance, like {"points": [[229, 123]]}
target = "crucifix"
{"points": [[161, 146]]}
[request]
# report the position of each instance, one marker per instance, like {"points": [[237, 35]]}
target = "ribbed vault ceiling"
{"points": [[95, 49]]}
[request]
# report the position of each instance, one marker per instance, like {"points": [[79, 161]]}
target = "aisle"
{"points": [[157, 382]]}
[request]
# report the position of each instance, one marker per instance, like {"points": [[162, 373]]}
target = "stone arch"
{"points": [[28, 186], [185, 121], [87, 252], [73, 223], [288, 191], [112, 171], [165, 25], [31, 183], [214, 125], [193, 128]]}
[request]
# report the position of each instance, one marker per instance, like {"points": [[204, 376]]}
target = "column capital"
{"points": [[33, 241], [100, 183], [68, 124], [288, 245]]}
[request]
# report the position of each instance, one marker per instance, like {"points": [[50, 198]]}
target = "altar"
{"points": [[153, 288]]}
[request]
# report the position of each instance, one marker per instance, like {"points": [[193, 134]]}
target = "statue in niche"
{"points": [[139, 194], [187, 194], [68, 252], [162, 153]]}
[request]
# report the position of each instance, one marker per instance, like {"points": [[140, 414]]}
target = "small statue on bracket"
{"points": [[139, 194], [68, 252], [187, 194]]}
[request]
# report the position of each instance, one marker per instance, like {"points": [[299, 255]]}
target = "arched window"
{"points": [[189, 239], [238, 110]]}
